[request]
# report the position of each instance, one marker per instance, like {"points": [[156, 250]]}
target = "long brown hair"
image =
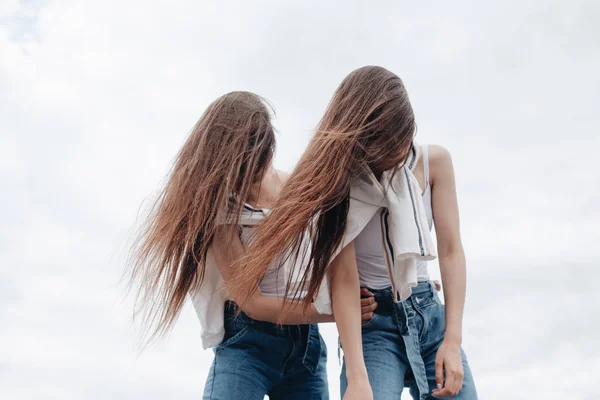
{"points": [[369, 124], [227, 153]]}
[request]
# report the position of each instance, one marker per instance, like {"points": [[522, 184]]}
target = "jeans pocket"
{"points": [[234, 338], [315, 350], [435, 321], [369, 324]]}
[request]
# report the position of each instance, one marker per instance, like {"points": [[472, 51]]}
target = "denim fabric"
{"points": [[259, 358], [400, 344]]}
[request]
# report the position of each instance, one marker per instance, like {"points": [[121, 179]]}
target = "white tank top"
{"points": [[274, 282], [370, 254]]}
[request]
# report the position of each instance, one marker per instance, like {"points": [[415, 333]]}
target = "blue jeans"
{"points": [[259, 358], [400, 344]]}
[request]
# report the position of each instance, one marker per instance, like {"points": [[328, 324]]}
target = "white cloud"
{"points": [[96, 98]]}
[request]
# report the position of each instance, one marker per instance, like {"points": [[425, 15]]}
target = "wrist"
{"points": [[453, 338], [357, 374]]}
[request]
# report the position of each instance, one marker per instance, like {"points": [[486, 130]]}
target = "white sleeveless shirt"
{"points": [[209, 299], [275, 279], [370, 255]]}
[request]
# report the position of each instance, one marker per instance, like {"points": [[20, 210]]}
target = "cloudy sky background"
{"points": [[97, 97]]}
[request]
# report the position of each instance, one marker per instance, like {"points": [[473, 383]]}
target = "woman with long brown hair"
{"points": [[221, 185], [355, 192]]}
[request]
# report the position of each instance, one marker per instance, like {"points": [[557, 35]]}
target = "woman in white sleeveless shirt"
{"points": [[416, 343], [355, 191], [221, 184]]}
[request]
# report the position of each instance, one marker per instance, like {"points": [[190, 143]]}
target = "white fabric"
{"points": [[209, 299], [422, 265], [408, 231], [273, 283], [370, 252], [422, 270], [369, 244]]}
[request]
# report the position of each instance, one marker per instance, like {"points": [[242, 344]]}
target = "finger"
{"points": [[367, 301], [373, 306], [455, 386], [439, 374], [437, 285], [461, 383], [365, 292], [458, 382], [445, 392], [451, 387], [366, 317]]}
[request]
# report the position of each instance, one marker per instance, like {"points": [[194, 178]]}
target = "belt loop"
{"points": [[405, 316], [305, 342]]}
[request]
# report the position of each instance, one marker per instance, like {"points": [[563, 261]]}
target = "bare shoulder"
{"points": [[439, 155], [282, 175], [440, 160]]}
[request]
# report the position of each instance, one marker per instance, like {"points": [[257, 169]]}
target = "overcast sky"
{"points": [[97, 97]]}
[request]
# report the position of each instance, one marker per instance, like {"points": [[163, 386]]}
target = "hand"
{"points": [[367, 305], [437, 285], [358, 390], [448, 359]]}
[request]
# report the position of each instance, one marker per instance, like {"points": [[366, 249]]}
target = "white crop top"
{"points": [[275, 280], [370, 253]]}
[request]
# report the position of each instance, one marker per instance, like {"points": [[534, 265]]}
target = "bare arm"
{"points": [[450, 249], [345, 299], [452, 267], [227, 248]]}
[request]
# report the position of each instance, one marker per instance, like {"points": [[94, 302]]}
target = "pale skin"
{"points": [[227, 248], [452, 266]]}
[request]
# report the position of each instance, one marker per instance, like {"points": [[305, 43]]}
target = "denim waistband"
{"points": [[237, 319], [309, 351], [385, 297]]}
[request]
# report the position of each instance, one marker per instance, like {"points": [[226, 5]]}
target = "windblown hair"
{"points": [[225, 156], [369, 124]]}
